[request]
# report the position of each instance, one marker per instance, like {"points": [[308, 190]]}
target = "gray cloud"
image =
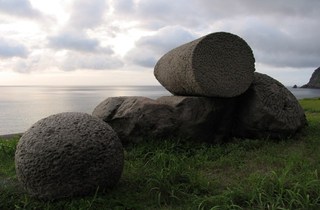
{"points": [[282, 46], [281, 33], [157, 14], [12, 49], [149, 49], [71, 61], [74, 35], [77, 41], [272, 9], [35, 62], [124, 7], [165, 39], [87, 14], [75, 60], [21, 8]]}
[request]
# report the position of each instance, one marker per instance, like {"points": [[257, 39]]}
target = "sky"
{"points": [[118, 42]]}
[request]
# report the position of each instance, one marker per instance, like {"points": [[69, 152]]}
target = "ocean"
{"points": [[22, 106]]}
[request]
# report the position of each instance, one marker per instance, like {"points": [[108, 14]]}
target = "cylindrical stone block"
{"points": [[217, 65]]}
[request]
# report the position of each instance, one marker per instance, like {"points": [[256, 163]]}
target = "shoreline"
{"points": [[9, 136]]}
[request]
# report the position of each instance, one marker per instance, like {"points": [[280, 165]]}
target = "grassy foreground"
{"points": [[242, 174]]}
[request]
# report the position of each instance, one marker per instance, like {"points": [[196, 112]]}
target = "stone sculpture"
{"points": [[217, 65], [188, 117], [269, 110], [68, 154]]}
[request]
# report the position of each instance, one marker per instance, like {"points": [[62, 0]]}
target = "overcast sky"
{"points": [[118, 42]]}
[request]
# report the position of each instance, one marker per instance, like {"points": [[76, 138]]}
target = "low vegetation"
{"points": [[173, 174]]}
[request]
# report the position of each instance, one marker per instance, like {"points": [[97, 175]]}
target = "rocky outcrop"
{"points": [[202, 118], [136, 117], [217, 95], [68, 154], [193, 118], [268, 110], [216, 65], [314, 81]]}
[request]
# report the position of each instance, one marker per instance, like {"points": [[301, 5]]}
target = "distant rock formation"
{"points": [[314, 81]]}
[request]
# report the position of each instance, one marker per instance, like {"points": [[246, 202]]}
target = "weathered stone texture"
{"points": [[269, 110], [219, 64], [195, 118], [68, 154]]}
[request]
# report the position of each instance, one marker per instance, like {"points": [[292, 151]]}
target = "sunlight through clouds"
{"points": [[76, 37]]}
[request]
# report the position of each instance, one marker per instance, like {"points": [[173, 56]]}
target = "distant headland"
{"points": [[314, 81]]}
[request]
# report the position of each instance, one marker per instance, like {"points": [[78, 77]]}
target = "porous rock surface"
{"points": [[219, 64], [68, 154], [268, 110], [135, 117], [195, 118]]}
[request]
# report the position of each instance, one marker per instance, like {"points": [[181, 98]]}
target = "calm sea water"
{"points": [[21, 106]]}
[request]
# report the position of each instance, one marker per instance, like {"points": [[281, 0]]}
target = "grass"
{"points": [[173, 174], [311, 105]]}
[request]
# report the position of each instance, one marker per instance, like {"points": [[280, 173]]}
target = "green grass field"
{"points": [[172, 174]]}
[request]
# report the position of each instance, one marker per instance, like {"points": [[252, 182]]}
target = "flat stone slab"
{"points": [[192, 118]]}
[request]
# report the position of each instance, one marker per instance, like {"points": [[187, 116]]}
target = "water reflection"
{"points": [[301, 93], [22, 106]]}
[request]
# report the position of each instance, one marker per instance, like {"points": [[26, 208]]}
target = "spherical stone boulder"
{"points": [[67, 155], [217, 65], [269, 110]]}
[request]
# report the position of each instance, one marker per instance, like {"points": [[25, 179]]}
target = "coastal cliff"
{"points": [[314, 81]]}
